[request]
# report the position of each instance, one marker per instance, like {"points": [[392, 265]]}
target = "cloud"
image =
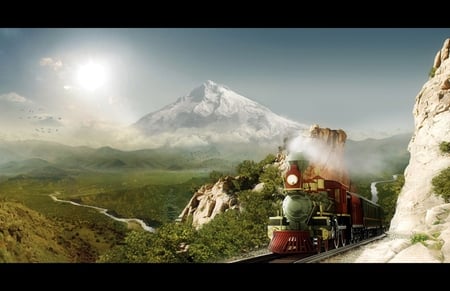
{"points": [[14, 98], [52, 63]]}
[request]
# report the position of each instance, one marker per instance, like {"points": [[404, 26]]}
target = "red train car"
{"points": [[319, 214]]}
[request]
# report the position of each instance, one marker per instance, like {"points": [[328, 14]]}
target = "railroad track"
{"points": [[305, 258], [265, 258]]}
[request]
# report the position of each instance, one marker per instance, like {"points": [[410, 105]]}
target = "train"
{"points": [[319, 214]]}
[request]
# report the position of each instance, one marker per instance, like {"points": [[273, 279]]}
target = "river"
{"points": [[105, 212], [373, 188]]}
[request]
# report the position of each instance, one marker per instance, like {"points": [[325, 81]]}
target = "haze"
{"points": [[87, 85]]}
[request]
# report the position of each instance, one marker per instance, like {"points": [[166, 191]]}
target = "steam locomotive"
{"points": [[320, 214]]}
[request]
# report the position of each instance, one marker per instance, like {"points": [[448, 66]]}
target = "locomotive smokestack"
{"points": [[299, 159]]}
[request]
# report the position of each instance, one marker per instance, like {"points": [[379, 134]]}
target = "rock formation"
{"points": [[334, 167], [210, 200], [419, 210], [432, 126], [213, 199], [324, 150]]}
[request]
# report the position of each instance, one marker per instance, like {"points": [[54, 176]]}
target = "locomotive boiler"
{"points": [[318, 214]]}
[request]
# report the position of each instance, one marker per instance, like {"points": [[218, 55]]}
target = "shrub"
{"points": [[419, 237], [249, 170], [441, 184], [214, 176], [444, 147], [432, 72]]}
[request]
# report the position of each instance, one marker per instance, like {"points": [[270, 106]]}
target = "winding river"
{"points": [[373, 188], [105, 212]]}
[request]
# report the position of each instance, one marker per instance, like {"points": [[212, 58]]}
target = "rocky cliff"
{"points": [[419, 210], [331, 164], [210, 200]]}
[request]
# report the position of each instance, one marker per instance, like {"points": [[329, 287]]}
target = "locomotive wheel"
{"points": [[336, 238], [343, 239]]}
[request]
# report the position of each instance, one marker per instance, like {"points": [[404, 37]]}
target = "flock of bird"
{"points": [[39, 116]]}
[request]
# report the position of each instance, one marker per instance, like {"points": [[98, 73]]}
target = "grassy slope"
{"points": [[28, 236], [84, 233]]}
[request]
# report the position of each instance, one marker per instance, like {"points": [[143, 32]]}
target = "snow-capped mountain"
{"points": [[215, 113]]}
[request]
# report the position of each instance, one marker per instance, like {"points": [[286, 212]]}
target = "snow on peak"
{"points": [[217, 99], [215, 107]]}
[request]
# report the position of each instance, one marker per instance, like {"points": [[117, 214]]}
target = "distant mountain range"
{"points": [[40, 158], [212, 127], [372, 156], [30, 156]]}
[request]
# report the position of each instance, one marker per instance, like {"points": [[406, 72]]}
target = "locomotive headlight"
{"points": [[292, 179]]}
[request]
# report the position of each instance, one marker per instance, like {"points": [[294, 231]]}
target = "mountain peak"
{"points": [[210, 83], [213, 109], [209, 90]]}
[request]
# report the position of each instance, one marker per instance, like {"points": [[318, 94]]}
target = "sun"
{"points": [[91, 76]]}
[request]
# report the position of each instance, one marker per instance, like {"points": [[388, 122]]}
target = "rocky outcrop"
{"points": [[419, 210], [213, 199], [324, 150], [333, 168], [210, 200]]}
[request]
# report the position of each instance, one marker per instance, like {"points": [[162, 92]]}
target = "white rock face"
{"points": [[209, 201], [419, 210], [432, 126]]}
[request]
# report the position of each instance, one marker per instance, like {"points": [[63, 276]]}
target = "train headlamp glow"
{"points": [[292, 179]]}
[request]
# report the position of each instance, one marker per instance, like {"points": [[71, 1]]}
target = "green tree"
{"points": [[272, 179], [169, 245], [388, 195], [249, 170], [234, 232], [133, 250], [269, 159], [214, 176]]}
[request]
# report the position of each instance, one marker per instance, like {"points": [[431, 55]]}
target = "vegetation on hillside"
{"points": [[441, 184], [228, 234], [444, 147], [27, 236], [234, 232], [138, 185], [387, 196], [85, 233]]}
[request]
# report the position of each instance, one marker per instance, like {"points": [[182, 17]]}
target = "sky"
{"points": [[63, 81]]}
